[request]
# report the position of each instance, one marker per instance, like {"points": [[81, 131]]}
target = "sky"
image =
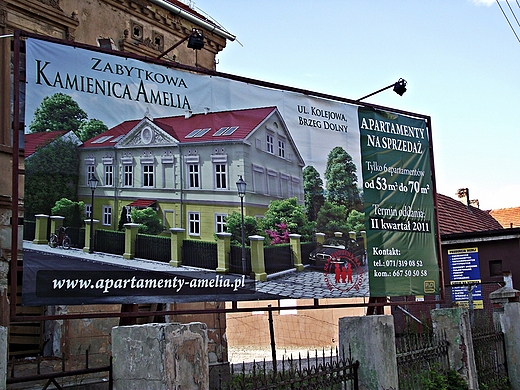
{"points": [[460, 59]]}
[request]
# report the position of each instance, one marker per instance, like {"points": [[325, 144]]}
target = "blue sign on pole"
{"points": [[465, 276]]}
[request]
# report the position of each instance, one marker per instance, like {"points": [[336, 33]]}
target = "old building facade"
{"points": [[155, 29]]}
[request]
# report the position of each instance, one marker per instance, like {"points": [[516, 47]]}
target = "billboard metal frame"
{"points": [[375, 305]]}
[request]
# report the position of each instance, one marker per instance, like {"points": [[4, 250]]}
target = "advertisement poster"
{"points": [[465, 277], [176, 142]]}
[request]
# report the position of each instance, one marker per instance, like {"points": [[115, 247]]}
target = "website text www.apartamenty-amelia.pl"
{"points": [[124, 282]]}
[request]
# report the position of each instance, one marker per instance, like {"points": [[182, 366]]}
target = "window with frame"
{"points": [[109, 175], [194, 175], [107, 215], [148, 175], [269, 143], [281, 148], [220, 176], [220, 223], [495, 268], [194, 224], [91, 170], [88, 211], [128, 175]]}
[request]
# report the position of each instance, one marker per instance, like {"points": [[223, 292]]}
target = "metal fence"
{"points": [[150, 247], [420, 355], [199, 254], [334, 371], [278, 258], [235, 260], [109, 241], [490, 358]]}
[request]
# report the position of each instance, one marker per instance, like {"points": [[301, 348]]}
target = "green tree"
{"points": [[341, 178], [90, 129], [356, 221], [148, 220], [74, 212], [289, 212], [234, 226], [51, 174], [57, 112], [332, 218], [313, 192]]}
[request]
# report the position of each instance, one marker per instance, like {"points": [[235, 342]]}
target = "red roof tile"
{"points": [[142, 203], [182, 128], [33, 141], [508, 217], [456, 217]]}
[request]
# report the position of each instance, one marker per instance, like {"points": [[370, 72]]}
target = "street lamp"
{"points": [[241, 187], [399, 88], [92, 183]]}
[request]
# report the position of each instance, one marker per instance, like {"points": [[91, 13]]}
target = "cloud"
{"points": [[486, 3]]}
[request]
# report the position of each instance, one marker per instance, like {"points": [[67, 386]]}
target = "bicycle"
{"points": [[60, 238]]}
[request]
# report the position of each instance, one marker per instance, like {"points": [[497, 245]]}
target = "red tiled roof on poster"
{"points": [[456, 217], [507, 217], [33, 141], [142, 203], [221, 126]]}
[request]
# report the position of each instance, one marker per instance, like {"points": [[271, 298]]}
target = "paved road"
{"points": [[309, 283]]}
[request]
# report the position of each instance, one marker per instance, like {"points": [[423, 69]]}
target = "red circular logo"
{"points": [[343, 272]]}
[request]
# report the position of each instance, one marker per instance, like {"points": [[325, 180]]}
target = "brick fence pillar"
{"points": [[86, 248], [56, 222], [131, 230], [296, 247], [372, 341], [506, 315], [223, 249], [456, 324], [41, 235], [257, 257], [177, 235], [160, 356]]}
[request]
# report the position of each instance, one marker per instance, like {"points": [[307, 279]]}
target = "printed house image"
{"points": [[186, 168]]}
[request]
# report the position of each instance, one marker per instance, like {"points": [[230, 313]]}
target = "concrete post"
{"points": [[86, 248], [56, 222], [352, 235], [296, 248], [177, 235], [41, 235], [456, 324], [320, 238], [372, 342], [506, 315], [130, 236], [257, 257], [3, 357], [223, 249], [160, 356], [338, 234]]}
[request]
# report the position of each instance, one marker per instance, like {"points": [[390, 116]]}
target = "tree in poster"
{"points": [[51, 174], [90, 129], [56, 113], [313, 192], [234, 226], [341, 178], [289, 213], [148, 220], [74, 212]]}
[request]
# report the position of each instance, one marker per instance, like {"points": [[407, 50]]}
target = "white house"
{"points": [[186, 167]]}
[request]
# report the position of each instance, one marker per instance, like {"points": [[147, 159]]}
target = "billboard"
{"points": [[178, 140]]}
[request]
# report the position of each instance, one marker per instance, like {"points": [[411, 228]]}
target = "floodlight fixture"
{"points": [[195, 42], [399, 88]]}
